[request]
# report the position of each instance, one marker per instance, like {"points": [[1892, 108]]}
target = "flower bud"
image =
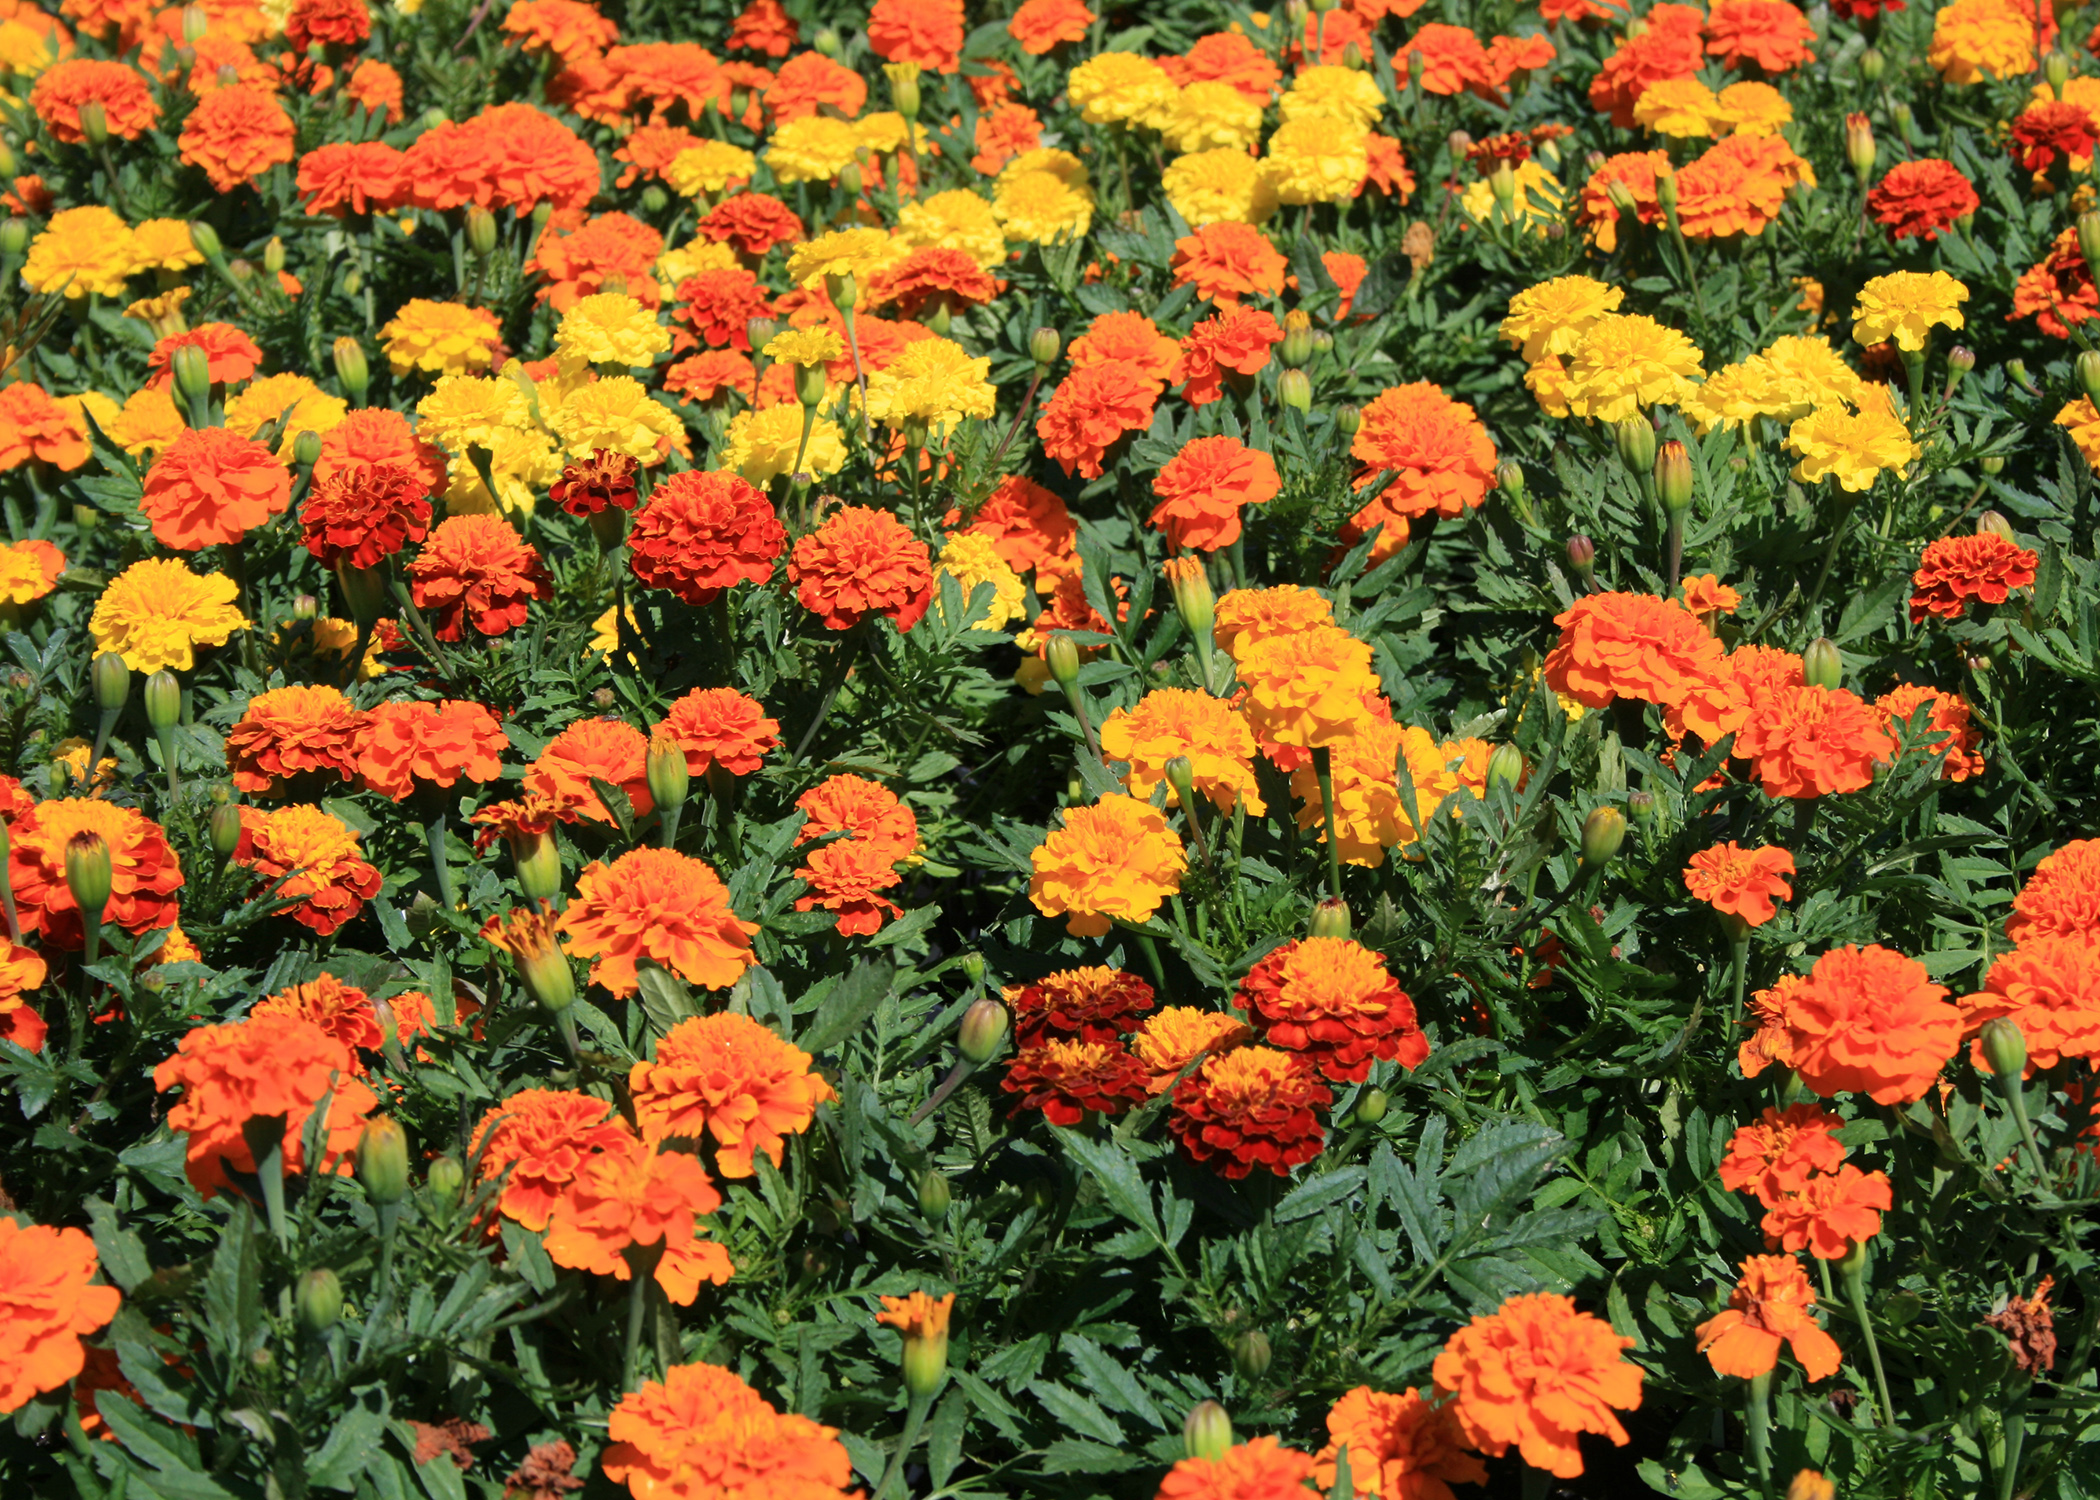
{"points": [[1044, 346], [1621, 196], [1194, 600], [1900, 117], [537, 860], [1673, 476], [273, 255], [1347, 419], [904, 88], [1853, 1263], [382, 1160], [224, 829], [1294, 389], [1993, 466], [1251, 1354], [206, 240], [1872, 65], [1062, 653], [1296, 348], [445, 1179], [353, 281], [934, 1195], [1181, 776], [1991, 521], [1859, 145], [840, 285], [668, 775], [163, 697], [1642, 806], [14, 236], [319, 1300], [1460, 142], [1206, 1432], [1636, 440], [88, 874], [1509, 478], [192, 370], [1603, 831], [1809, 1484], [1821, 666], [481, 231], [306, 449], [811, 384], [2089, 375], [112, 681], [760, 331], [827, 42], [1961, 359], [541, 964], [1371, 1106], [1502, 182], [1330, 919], [2004, 1047], [2056, 71], [2089, 236], [1505, 767], [972, 965], [1582, 557], [983, 1029], [94, 122], [1666, 192]]}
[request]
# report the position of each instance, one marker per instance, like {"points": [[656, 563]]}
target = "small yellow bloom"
{"points": [[156, 613], [971, 558], [1852, 448], [1905, 306], [610, 328], [805, 346], [440, 338], [710, 167]]}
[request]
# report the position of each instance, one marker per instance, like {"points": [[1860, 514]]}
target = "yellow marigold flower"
{"points": [[167, 305], [2083, 421], [1209, 114], [69, 768], [522, 460], [440, 338], [334, 637], [814, 148], [1753, 109], [760, 445], [81, 251], [605, 640], [1905, 306], [156, 613], [92, 404], [1807, 361], [690, 259], [1626, 362], [24, 578], [1176, 721], [1116, 860], [1851, 447], [1330, 92], [710, 167], [1306, 688], [885, 132], [164, 245], [148, 421], [971, 558], [1547, 380], [1217, 187], [1041, 207], [25, 50], [617, 415], [1369, 815], [1171, 1039], [1737, 394], [304, 406], [933, 381], [954, 220], [1972, 38], [1121, 88], [1552, 317], [1313, 160], [1683, 108], [471, 410], [805, 346], [1540, 200], [858, 253], [1062, 165], [611, 328], [1247, 617]]}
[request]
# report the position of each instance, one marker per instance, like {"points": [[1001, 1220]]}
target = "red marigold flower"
{"points": [[717, 306], [1922, 199], [144, 871], [343, 1011], [667, 75], [350, 177], [128, 110], [1237, 340], [1091, 411], [236, 134], [1947, 727], [316, 855], [293, 731], [595, 485], [721, 727], [1039, 25], [1332, 1001], [1769, 1306], [1203, 488], [592, 750], [752, 223], [1227, 261], [702, 533], [2046, 131], [2050, 986], [728, 1078], [712, 374], [926, 32], [34, 427], [47, 1285], [1740, 883], [404, 745], [209, 487], [2062, 896], [338, 23], [1769, 33], [1252, 1106], [764, 26], [357, 515], [933, 276], [1956, 569], [1534, 1375], [534, 1142], [845, 877], [703, 1421], [862, 562], [1869, 1021], [477, 571], [269, 1066], [1259, 1469], [660, 905], [1831, 1214], [634, 1195], [1093, 1004], [1065, 1079], [2060, 291], [1813, 741], [1401, 1447], [861, 809], [1776, 1156]]}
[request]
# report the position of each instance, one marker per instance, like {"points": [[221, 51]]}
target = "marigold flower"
{"points": [[862, 562], [704, 1432], [211, 487], [319, 859], [1535, 1374], [1639, 63], [1956, 569], [1120, 88], [660, 905], [230, 355], [1067, 1078], [1813, 741], [82, 251], [292, 402], [2062, 896], [403, 745], [847, 877], [1029, 526], [1259, 1469], [1332, 1001], [1440, 456], [1870, 1021], [1777, 1156], [373, 435], [1833, 1212], [1234, 345], [751, 222], [592, 750], [632, 1195], [1905, 306], [1039, 25], [128, 110], [144, 870], [1948, 729], [712, 375], [932, 383], [1306, 689], [1171, 1040], [440, 338], [236, 134], [1115, 860], [33, 427], [1247, 617], [1617, 645], [762, 445], [1551, 317], [1683, 108], [933, 277], [1854, 448], [47, 1285], [1091, 411], [1768, 1307], [1252, 1106], [1369, 815], [1211, 187], [476, 571], [1973, 37], [293, 731], [535, 1141], [1769, 33], [721, 727], [1092, 1004], [569, 29], [343, 1011], [2050, 986], [1401, 1447], [1626, 363], [267, 1067], [1170, 722], [702, 533], [29, 570], [1739, 882], [764, 26], [864, 810], [1204, 487], [1227, 261], [157, 612]]}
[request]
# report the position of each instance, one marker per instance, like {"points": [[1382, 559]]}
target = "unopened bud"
{"points": [[904, 88], [1505, 767], [1294, 389], [14, 236], [668, 775], [1371, 1106], [1821, 665], [1207, 1431], [94, 122], [2089, 375], [306, 449], [827, 42], [1621, 196], [2004, 1047], [1991, 521], [760, 331], [1636, 441], [1502, 182], [1194, 599], [1872, 65], [1509, 478], [1993, 465], [445, 1179], [2089, 237], [163, 695], [1853, 1263], [481, 231], [1961, 359], [319, 1300], [1296, 348], [1673, 476], [983, 1029], [1347, 419], [273, 255], [1062, 654], [88, 874], [541, 964], [1642, 806], [112, 681], [1859, 145], [840, 286], [1666, 191], [1251, 1354], [353, 281], [537, 860], [206, 240], [1582, 556], [1603, 831], [2056, 71], [1044, 346], [1181, 776], [934, 1195], [224, 829], [1330, 919], [191, 367], [1900, 117], [382, 1160]]}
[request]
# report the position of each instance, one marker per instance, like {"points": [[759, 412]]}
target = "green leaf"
{"points": [[849, 1004], [1076, 1413], [1122, 1189], [1308, 1198], [352, 1447], [1109, 1380], [121, 1252]]}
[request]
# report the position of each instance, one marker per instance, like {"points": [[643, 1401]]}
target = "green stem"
{"points": [[1537, 1483], [1757, 1429], [1856, 1294], [1323, 769], [1837, 535], [389, 1221], [1741, 965], [107, 723], [265, 1137], [670, 825], [2015, 1440], [566, 1025], [166, 739], [2012, 1089], [1152, 958], [1076, 697], [439, 864], [641, 1265], [914, 1419]]}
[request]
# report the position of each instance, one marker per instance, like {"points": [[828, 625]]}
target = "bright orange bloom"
{"points": [[1769, 1306], [144, 872], [1440, 457], [1777, 1156], [343, 1011], [593, 750], [710, 375], [375, 435], [358, 514], [926, 32], [236, 134], [1332, 1001], [1948, 729], [729, 1078], [295, 731], [1249, 1107], [316, 855], [1259, 1469], [1247, 617], [1657, 55], [1040, 25], [721, 727], [1067, 1078], [1535, 1374], [48, 1290], [1170, 722], [337, 23], [1706, 596], [2050, 986], [1091, 410], [1401, 1447], [656, 904], [934, 276], [2062, 896], [408, 744], [22, 970], [377, 87], [1030, 527], [1227, 261], [1306, 689], [1092, 1004], [1869, 1021], [1769, 33], [1115, 860], [542, 1136], [754, 223], [1833, 1212], [1770, 1041], [1227, 57], [703, 1433], [60, 90], [1178, 1035], [764, 26], [1232, 346], [610, 247], [703, 533], [866, 811], [633, 1195], [1135, 339], [476, 570], [570, 29], [270, 1066], [1738, 186], [33, 426], [1956, 569], [209, 487], [1739, 882], [1204, 487], [508, 156], [1813, 741], [1630, 646], [847, 877], [862, 562]]}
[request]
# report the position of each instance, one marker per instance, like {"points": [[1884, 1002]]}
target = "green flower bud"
{"points": [[1603, 831], [224, 829], [2089, 236], [196, 21], [1872, 65], [1294, 389], [192, 370], [1636, 440], [353, 282], [1821, 665], [1961, 359], [810, 384], [14, 236], [1371, 1106], [94, 122], [1181, 776], [163, 697], [668, 775], [1044, 346], [1506, 767], [1860, 149], [2056, 71], [1347, 419], [1509, 478], [1673, 476], [2004, 1047], [273, 255], [306, 449], [904, 88], [444, 1181], [1330, 919], [2016, 372], [1853, 1264], [1993, 465], [934, 1195], [319, 1300], [1251, 1354], [1207, 1431], [1642, 806], [827, 41], [206, 240], [1297, 345], [2089, 375], [1991, 521], [88, 875], [1062, 655], [925, 1358], [537, 860], [382, 1160], [529, 936], [1194, 598], [983, 1029], [481, 231], [111, 680], [1582, 557]]}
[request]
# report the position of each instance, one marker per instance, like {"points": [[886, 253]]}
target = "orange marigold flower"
{"points": [[1115, 860], [703, 1433], [33, 426], [1179, 721], [2060, 291], [1869, 1021], [702, 533], [764, 26], [359, 514], [1833, 1212], [569, 29], [1440, 457], [21, 971], [2047, 131], [933, 276], [404, 745], [2062, 896], [337, 23], [1178, 1035], [1332, 1001], [144, 872], [1227, 261], [1922, 200], [1769, 33], [1948, 728], [729, 1078], [1227, 57], [592, 750], [1401, 1447], [1136, 339], [863, 810], [1738, 186], [608, 247], [1706, 596], [1204, 487], [1740, 883], [656, 904], [343, 1011], [1769, 1306], [1259, 1469], [845, 877], [1003, 133], [753, 223], [1232, 346], [292, 731], [1630, 646], [710, 375], [236, 134], [210, 487], [1306, 689], [1065, 1079], [1249, 1107], [1369, 816], [47, 1286], [1657, 55], [128, 110], [1029, 526], [1956, 569], [2050, 986], [377, 87], [722, 727], [1535, 1374], [1247, 617], [1091, 410], [1040, 25], [1092, 1004], [269, 1066], [540, 1137], [1813, 741], [716, 307], [1777, 1156], [375, 435], [1770, 1041], [477, 571], [316, 855], [862, 562], [926, 32], [632, 1195]]}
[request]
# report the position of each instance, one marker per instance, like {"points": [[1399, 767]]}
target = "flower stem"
{"points": [[1323, 769], [265, 1138], [1741, 965], [2012, 1089], [2015, 1439], [914, 1419], [1757, 1429], [1855, 1275], [641, 1265], [434, 830]]}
